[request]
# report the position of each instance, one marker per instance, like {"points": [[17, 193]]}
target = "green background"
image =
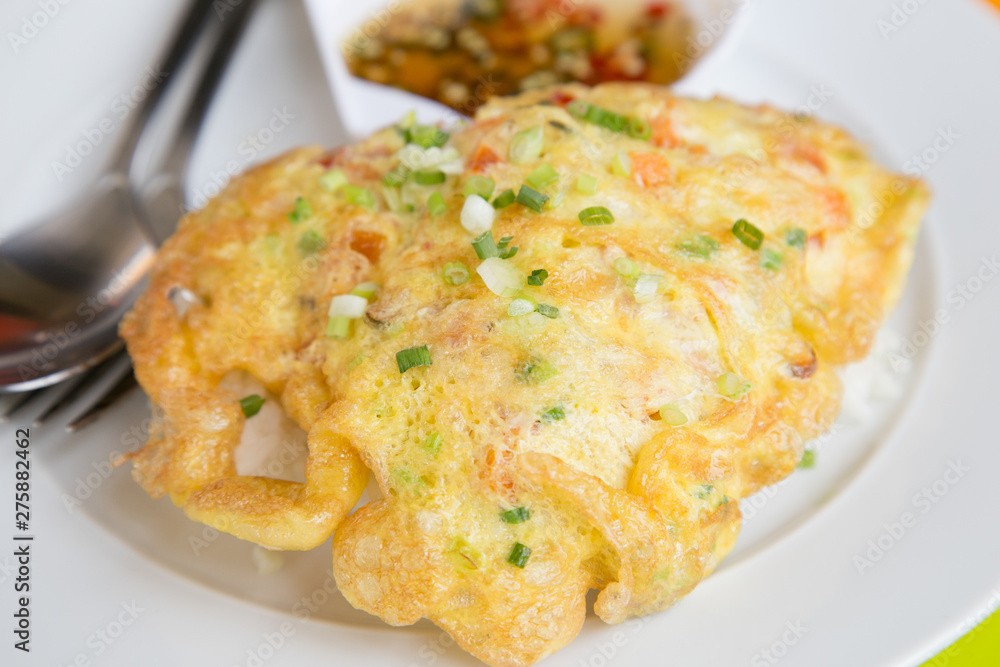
{"points": [[979, 648]]}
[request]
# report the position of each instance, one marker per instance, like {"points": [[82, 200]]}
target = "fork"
{"points": [[158, 203]]}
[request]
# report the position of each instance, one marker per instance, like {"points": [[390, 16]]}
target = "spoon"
{"points": [[66, 282]]}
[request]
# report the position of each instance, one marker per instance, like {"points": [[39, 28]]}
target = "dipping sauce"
{"points": [[461, 52]]}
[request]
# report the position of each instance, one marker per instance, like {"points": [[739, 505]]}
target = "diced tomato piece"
{"points": [[482, 158]]}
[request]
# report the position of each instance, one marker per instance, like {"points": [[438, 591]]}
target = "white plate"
{"points": [[796, 560]]}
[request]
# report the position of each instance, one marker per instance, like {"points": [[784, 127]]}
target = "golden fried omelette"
{"points": [[582, 412]]}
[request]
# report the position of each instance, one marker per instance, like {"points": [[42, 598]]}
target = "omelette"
{"points": [[565, 339]]}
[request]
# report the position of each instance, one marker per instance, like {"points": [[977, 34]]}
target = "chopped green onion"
{"points": [[485, 246], [365, 290], [537, 277], [596, 215], [527, 145], [796, 238], [504, 199], [333, 180], [606, 119], [586, 184], [548, 311], [531, 198], [480, 185], [456, 273], [338, 327], [542, 176], [429, 177], [519, 555], [408, 120], [553, 415], [516, 515], [413, 357], [700, 246], [360, 196], [501, 277], [639, 129], [397, 176], [302, 211], [477, 214], [426, 136], [351, 306], [432, 445], [436, 205], [310, 243], [626, 268], [520, 306], [733, 386], [251, 405], [808, 459], [536, 371], [506, 252], [749, 235], [771, 259], [704, 491], [672, 415], [556, 200], [622, 164], [646, 287], [578, 108]]}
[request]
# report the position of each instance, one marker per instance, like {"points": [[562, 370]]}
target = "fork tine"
{"points": [[124, 386], [79, 386], [16, 402]]}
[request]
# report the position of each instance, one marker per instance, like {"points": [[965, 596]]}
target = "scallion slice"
{"points": [[646, 287], [456, 273], [531, 198], [351, 306], [477, 214], [808, 459], [732, 386], [606, 119], [537, 277], [302, 211], [748, 234], [542, 176], [673, 415], [485, 246], [519, 555], [586, 184], [503, 245], [796, 238], [436, 205], [501, 277], [516, 515], [596, 215], [626, 268], [700, 246], [771, 259], [413, 357], [622, 164], [432, 445], [251, 405], [480, 185], [558, 413], [504, 199], [360, 196], [310, 243], [338, 327], [527, 145], [429, 177], [639, 129], [366, 290], [426, 136], [333, 180], [520, 306], [548, 311], [397, 176]]}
